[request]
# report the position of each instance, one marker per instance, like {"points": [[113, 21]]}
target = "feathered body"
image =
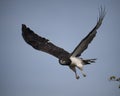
{"points": [[65, 58]]}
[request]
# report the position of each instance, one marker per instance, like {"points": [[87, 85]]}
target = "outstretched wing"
{"points": [[85, 42], [42, 44]]}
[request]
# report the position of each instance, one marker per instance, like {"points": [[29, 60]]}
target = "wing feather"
{"points": [[83, 45], [42, 44]]}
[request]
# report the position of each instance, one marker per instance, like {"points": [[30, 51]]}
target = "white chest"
{"points": [[77, 62]]}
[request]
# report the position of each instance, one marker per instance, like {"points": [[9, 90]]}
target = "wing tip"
{"points": [[23, 25]]}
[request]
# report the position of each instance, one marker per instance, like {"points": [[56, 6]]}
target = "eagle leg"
{"points": [[84, 75], [74, 70], [80, 68]]}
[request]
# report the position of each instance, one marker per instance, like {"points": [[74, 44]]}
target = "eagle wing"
{"points": [[42, 44], [85, 42]]}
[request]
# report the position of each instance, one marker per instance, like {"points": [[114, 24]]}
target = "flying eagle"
{"points": [[65, 58]]}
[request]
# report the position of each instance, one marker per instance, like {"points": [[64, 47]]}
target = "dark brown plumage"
{"points": [[43, 44], [65, 58]]}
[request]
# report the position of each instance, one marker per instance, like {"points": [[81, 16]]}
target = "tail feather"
{"points": [[89, 61]]}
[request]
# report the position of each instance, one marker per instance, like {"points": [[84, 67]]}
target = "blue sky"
{"points": [[28, 72]]}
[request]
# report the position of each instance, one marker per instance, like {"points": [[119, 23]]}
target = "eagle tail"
{"points": [[89, 61]]}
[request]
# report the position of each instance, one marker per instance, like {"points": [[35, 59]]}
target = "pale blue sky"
{"points": [[28, 72]]}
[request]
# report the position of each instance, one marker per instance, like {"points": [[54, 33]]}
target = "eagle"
{"points": [[65, 58]]}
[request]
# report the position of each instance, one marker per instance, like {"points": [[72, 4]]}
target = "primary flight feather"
{"points": [[65, 58]]}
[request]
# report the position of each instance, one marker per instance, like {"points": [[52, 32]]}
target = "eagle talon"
{"points": [[77, 77], [84, 75]]}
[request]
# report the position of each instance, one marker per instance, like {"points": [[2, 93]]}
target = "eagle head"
{"points": [[65, 61]]}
